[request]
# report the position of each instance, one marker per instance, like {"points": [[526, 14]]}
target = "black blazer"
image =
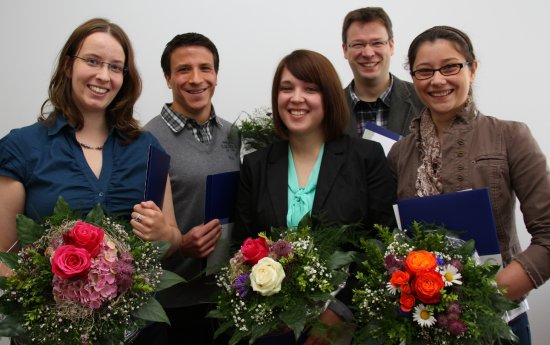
{"points": [[354, 185]]}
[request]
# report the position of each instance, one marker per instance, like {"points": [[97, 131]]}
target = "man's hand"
{"points": [[201, 240]]}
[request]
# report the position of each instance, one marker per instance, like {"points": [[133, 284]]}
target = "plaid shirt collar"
{"points": [[385, 97], [177, 122]]}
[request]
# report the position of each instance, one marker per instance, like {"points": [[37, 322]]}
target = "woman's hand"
{"points": [[515, 280], [150, 224]]}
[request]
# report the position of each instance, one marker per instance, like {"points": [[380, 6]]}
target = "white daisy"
{"points": [[451, 276], [391, 289], [423, 316]]}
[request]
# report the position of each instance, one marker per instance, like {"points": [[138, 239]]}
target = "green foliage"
{"points": [[257, 129]]}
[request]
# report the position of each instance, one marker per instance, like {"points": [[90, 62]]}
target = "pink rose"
{"points": [[254, 250], [85, 235], [71, 262]]}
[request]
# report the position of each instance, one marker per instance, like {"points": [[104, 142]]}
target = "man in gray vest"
{"points": [[199, 144], [374, 94]]}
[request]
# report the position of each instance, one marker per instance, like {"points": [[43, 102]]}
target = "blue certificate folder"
{"points": [[158, 165], [468, 213], [221, 194]]}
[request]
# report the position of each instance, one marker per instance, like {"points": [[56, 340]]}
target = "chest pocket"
{"points": [[491, 171]]}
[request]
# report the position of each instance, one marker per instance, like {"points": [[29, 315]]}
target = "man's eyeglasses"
{"points": [[95, 63], [358, 46], [450, 69]]}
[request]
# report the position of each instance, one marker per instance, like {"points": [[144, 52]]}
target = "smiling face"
{"points": [[300, 105], [369, 65], [192, 80], [94, 88], [443, 95]]}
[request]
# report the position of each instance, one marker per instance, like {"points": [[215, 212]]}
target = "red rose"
{"points": [[427, 286], [407, 302], [85, 235], [254, 250], [399, 278], [71, 262], [406, 288]]}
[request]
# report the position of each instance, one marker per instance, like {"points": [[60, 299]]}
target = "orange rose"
{"points": [[407, 302], [427, 286], [399, 278], [420, 261]]}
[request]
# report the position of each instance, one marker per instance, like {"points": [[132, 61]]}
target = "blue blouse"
{"points": [[300, 200], [50, 163]]}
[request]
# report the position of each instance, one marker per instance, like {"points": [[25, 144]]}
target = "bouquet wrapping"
{"points": [[80, 281], [427, 287]]}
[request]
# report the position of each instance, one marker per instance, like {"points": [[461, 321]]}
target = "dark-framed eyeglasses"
{"points": [[449, 69], [377, 44], [114, 68]]}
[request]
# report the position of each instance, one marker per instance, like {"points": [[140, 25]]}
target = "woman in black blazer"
{"points": [[346, 180]]}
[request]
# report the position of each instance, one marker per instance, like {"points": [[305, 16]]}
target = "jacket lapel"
{"points": [[333, 159], [277, 180]]}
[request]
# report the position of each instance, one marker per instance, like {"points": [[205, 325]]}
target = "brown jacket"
{"points": [[481, 151]]}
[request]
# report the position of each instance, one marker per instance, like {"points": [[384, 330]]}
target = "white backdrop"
{"points": [[253, 35]]}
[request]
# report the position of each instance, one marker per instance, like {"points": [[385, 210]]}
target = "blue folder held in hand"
{"points": [[468, 213], [158, 165], [221, 194]]}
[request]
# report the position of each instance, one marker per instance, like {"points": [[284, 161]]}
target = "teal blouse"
{"points": [[300, 200]]}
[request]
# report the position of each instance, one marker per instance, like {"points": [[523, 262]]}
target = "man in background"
{"points": [[375, 95]]}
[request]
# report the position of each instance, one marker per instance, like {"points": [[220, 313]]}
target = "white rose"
{"points": [[267, 276]]}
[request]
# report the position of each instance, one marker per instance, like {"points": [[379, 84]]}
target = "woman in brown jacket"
{"points": [[452, 147]]}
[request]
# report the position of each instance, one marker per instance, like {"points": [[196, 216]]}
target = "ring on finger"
{"points": [[138, 218]]}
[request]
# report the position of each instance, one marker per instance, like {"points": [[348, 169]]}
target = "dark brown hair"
{"points": [[120, 111], [186, 40], [460, 40], [312, 67], [366, 15]]}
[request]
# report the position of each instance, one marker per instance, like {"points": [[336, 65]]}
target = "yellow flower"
{"points": [[266, 277]]}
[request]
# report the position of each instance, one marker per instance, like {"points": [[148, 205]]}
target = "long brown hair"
{"points": [[121, 110]]}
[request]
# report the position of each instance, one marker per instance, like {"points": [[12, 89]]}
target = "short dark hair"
{"points": [[186, 40], [366, 15], [460, 40], [312, 67], [120, 111]]}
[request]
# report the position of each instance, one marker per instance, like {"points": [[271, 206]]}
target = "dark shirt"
{"points": [[50, 163]]}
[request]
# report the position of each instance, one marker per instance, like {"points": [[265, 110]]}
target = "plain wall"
{"points": [[253, 35]]}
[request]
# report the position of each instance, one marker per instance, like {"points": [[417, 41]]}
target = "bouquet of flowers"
{"points": [[80, 281], [255, 130], [427, 288], [282, 282]]}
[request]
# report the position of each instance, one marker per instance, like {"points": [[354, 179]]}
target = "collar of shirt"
{"points": [[177, 122], [385, 97], [61, 124]]}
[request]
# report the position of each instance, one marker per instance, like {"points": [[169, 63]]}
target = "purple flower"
{"points": [[454, 308], [442, 320], [457, 327], [440, 261], [281, 248], [392, 263], [456, 264], [241, 284]]}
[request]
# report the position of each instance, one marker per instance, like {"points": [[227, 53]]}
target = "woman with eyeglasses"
{"points": [[86, 145], [452, 147]]}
